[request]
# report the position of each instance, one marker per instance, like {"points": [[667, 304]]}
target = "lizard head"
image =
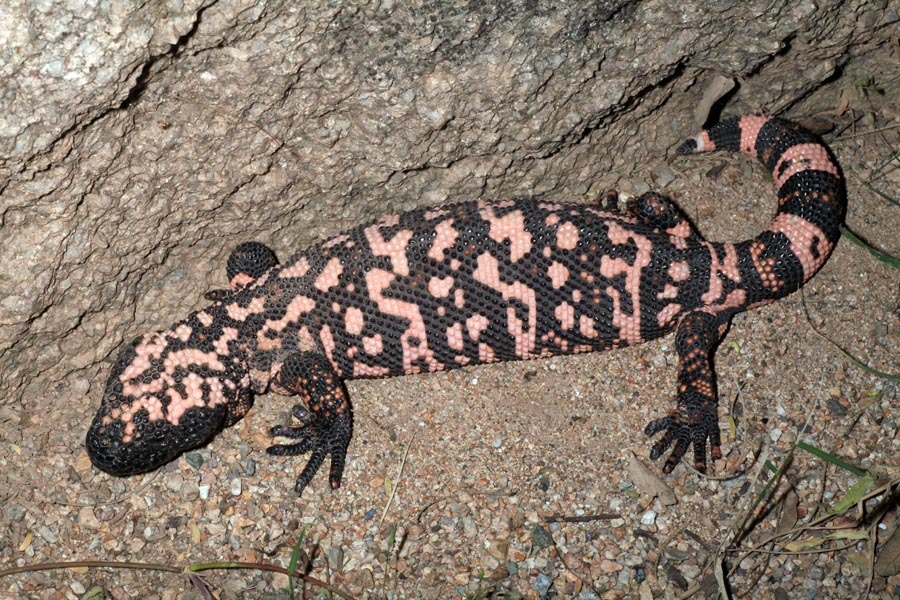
{"points": [[169, 392]]}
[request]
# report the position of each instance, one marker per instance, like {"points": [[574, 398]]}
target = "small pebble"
{"points": [[174, 481], [203, 489], [541, 537], [690, 571], [48, 535], [608, 566], [195, 459], [469, 527], [248, 465], [87, 518], [542, 584], [235, 486], [648, 518], [640, 575]]}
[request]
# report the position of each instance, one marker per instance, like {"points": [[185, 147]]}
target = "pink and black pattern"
{"points": [[464, 284]]}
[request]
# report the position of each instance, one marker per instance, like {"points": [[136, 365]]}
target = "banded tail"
{"points": [[812, 200]]}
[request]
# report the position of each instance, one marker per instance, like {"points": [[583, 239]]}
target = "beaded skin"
{"points": [[464, 284]]}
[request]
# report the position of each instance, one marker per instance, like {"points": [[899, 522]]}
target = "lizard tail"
{"points": [[812, 200]]}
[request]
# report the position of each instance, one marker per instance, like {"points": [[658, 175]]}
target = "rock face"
{"points": [[139, 142]]}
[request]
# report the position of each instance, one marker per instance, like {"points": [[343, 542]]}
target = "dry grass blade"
{"points": [[188, 571], [399, 476], [847, 355]]}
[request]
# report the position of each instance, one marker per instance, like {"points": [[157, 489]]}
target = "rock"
{"points": [[138, 144]]}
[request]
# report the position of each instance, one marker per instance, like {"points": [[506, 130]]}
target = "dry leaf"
{"points": [[888, 561], [647, 482], [788, 517]]}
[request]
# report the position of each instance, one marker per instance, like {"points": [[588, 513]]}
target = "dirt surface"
{"points": [[516, 476], [514, 480]]}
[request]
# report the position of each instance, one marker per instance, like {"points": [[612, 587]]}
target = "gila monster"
{"points": [[464, 284]]}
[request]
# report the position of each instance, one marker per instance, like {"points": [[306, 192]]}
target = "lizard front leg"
{"points": [[326, 417], [695, 419]]}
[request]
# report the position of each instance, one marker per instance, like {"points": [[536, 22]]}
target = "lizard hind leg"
{"points": [[326, 419], [246, 263], [694, 422], [658, 210]]}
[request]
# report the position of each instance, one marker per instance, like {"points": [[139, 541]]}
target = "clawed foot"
{"points": [[693, 422], [321, 437]]}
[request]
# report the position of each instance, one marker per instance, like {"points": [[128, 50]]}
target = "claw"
{"points": [[692, 424], [321, 438], [326, 419]]}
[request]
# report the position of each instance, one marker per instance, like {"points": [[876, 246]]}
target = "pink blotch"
{"points": [[475, 325], [298, 269], [666, 315], [373, 345], [629, 324], [567, 236], [183, 332], [618, 235], [354, 321], [455, 337], [444, 239], [750, 126], [394, 249], [559, 274], [804, 236], [565, 314], [330, 275], [679, 271], [669, 291], [682, 230], [509, 227], [413, 341], [586, 326], [439, 287]]}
